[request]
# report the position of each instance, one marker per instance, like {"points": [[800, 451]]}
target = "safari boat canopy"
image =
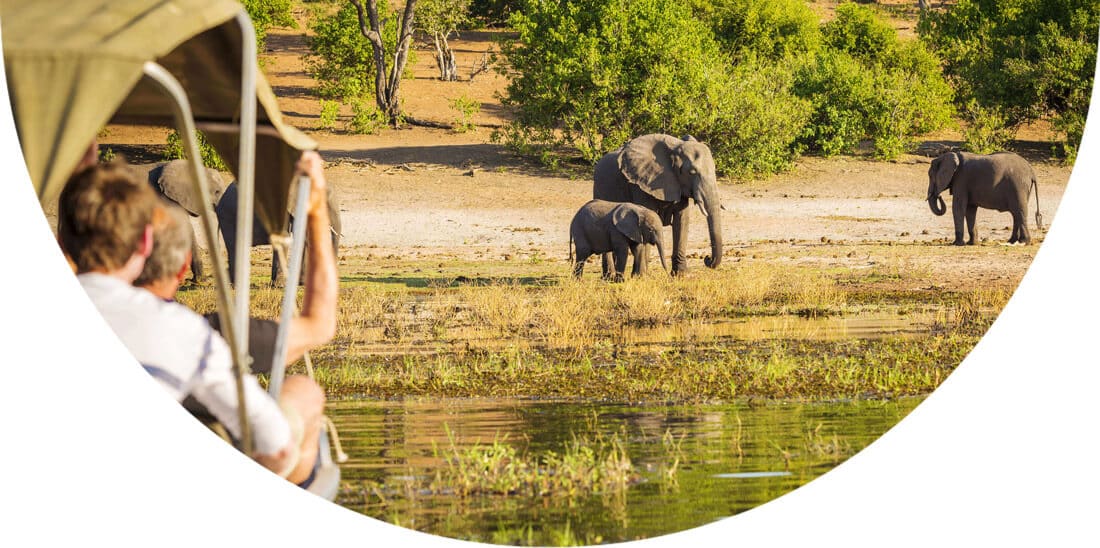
{"points": [[74, 67]]}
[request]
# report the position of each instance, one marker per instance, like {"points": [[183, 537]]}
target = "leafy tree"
{"points": [[592, 74], [1024, 60], [492, 13], [439, 19], [361, 48]]}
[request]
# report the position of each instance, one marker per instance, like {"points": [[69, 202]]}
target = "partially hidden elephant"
{"points": [[226, 211], [172, 180], [1002, 181], [616, 228], [661, 173]]}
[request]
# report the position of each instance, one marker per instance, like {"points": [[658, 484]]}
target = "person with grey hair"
{"points": [[167, 265]]}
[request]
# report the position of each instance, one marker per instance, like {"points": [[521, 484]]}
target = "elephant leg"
{"points": [[620, 254], [679, 242], [638, 252], [1019, 228], [196, 261], [578, 266], [958, 212], [971, 215], [606, 264]]}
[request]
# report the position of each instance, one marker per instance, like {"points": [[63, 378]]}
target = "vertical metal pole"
{"points": [[245, 181], [290, 292], [185, 124]]}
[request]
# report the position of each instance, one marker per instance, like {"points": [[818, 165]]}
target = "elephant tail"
{"points": [[1038, 215], [570, 247]]}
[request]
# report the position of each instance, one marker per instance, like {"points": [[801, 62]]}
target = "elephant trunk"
{"points": [[661, 252], [713, 207], [937, 205]]}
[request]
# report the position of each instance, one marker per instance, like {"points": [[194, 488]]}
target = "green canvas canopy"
{"points": [[73, 67]]}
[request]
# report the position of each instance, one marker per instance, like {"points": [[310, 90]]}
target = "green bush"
{"points": [[1027, 59], [210, 158], [466, 108], [866, 84], [986, 129], [366, 118], [773, 29], [592, 74], [330, 111]]}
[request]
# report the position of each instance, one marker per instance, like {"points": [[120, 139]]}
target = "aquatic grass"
{"points": [[585, 466]]}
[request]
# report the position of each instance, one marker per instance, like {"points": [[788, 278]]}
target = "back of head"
{"points": [[102, 214], [171, 242]]}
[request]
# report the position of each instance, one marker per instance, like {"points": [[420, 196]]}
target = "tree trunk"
{"points": [[444, 58], [387, 83]]}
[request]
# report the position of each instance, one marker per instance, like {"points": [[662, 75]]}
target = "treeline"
{"points": [[761, 81]]}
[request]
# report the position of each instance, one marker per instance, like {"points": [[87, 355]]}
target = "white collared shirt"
{"points": [[180, 350]]}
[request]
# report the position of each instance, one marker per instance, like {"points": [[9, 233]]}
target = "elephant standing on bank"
{"points": [[1002, 181], [226, 211], [617, 228], [172, 180], [661, 173]]}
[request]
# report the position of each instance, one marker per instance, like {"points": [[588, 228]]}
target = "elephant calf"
{"points": [[615, 227], [1001, 181]]}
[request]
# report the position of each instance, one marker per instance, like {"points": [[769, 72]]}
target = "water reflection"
{"points": [[729, 458]]}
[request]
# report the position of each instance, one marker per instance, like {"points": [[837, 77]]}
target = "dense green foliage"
{"points": [[759, 81], [594, 73], [1022, 60], [865, 83]]}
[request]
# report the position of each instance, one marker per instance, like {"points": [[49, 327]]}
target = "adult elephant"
{"points": [[172, 180], [226, 210], [1002, 181], [661, 173]]}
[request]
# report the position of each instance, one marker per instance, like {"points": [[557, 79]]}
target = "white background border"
{"points": [[1003, 452]]}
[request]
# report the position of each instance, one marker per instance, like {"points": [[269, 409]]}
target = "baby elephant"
{"points": [[601, 227]]}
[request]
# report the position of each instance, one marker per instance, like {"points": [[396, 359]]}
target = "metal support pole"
{"points": [[290, 292], [185, 124], [245, 180]]}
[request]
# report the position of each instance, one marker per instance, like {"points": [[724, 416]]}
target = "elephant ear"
{"points": [[945, 171], [175, 183], [625, 219], [648, 161]]}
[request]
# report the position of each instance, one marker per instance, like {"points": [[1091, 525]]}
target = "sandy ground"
{"points": [[422, 192]]}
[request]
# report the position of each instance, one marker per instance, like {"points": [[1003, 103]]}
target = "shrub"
{"points": [[210, 158], [772, 29], [867, 84], [366, 118], [330, 110], [1028, 59], [986, 130], [592, 74], [466, 108]]}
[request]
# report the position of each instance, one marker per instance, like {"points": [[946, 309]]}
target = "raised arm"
{"points": [[316, 325]]}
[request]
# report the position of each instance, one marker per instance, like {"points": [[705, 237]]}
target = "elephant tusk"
{"points": [[702, 209]]}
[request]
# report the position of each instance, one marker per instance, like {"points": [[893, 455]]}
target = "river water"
{"points": [[731, 457]]}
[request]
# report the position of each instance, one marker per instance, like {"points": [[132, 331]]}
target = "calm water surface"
{"points": [[733, 457]]}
